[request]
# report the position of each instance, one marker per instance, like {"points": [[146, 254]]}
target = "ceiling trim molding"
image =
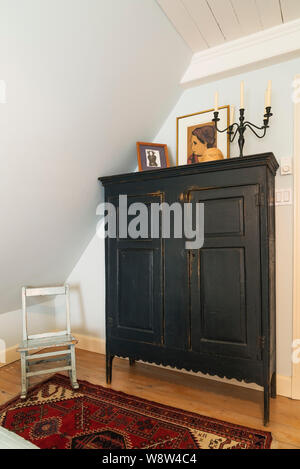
{"points": [[243, 52]]}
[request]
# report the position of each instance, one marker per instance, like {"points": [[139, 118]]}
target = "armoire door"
{"points": [[225, 309], [135, 276]]}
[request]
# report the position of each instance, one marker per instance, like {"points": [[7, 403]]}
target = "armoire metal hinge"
{"points": [[261, 342], [183, 197], [260, 198]]}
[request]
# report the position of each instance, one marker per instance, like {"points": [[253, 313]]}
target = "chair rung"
{"points": [[47, 354], [49, 370], [39, 361]]}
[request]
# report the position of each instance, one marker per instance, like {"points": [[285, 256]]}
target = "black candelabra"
{"points": [[242, 126]]}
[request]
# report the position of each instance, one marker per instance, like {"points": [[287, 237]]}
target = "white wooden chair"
{"points": [[47, 340]]}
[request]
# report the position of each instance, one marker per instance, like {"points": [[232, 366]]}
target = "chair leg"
{"points": [[73, 376], [27, 370], [24, 379]]}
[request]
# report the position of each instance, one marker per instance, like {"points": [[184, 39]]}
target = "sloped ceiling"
{"points": [[85, 80], [208, 23]]}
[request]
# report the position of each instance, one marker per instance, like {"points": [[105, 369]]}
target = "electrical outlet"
{"points": [[284, 197]]}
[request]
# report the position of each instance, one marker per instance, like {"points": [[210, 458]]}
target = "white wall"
{"points": [[279, 140], [87, 292], [41, 318], [87, 279], [85, 80]]}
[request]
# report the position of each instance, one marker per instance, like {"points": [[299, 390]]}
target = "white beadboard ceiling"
{"points": [[208, 23]]}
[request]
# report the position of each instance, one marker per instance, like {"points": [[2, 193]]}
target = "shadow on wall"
{"points": [[77, 310]]}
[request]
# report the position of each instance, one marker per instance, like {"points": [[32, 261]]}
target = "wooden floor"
{"points": [[214, 399]]}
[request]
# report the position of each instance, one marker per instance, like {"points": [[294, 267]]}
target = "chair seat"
{"points": [[53, 341]]}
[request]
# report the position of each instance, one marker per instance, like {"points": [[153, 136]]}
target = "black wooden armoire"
{"points": [[210, 309]]}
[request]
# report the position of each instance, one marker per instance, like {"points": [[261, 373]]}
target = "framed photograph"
{"points": [[197, 139], [152, 156]]}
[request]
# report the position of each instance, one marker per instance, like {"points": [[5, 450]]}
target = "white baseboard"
{"points": [[11, 355], [284, 383], [97, 345], [284, 386], [91, 344]]}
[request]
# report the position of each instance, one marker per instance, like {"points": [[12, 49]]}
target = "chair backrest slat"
{"points": [[45, 291]]}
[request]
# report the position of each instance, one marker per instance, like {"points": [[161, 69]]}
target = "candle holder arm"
{"points": [[221, 131], [227, 129], [250, 126], [232, 133]]}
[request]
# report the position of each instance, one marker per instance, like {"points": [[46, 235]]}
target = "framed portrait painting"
{"points": [[197, 139], [152, 156]]}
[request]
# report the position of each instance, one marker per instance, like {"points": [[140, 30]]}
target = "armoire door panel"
{"points": [[223, 316], [136, 282], [225, 274], [224, 217], [136, 295]]}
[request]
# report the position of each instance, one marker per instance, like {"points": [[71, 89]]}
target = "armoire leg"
{"points": [[131, 361], [109, 359], [266, 404], [273, 386]]}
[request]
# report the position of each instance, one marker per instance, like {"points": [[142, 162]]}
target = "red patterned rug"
{"points": [[93, 417]]}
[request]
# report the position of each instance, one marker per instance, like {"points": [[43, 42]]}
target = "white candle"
{"points": [[266, 99], [269, 90], [242, 106], [231, 114], [216, 101]]}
